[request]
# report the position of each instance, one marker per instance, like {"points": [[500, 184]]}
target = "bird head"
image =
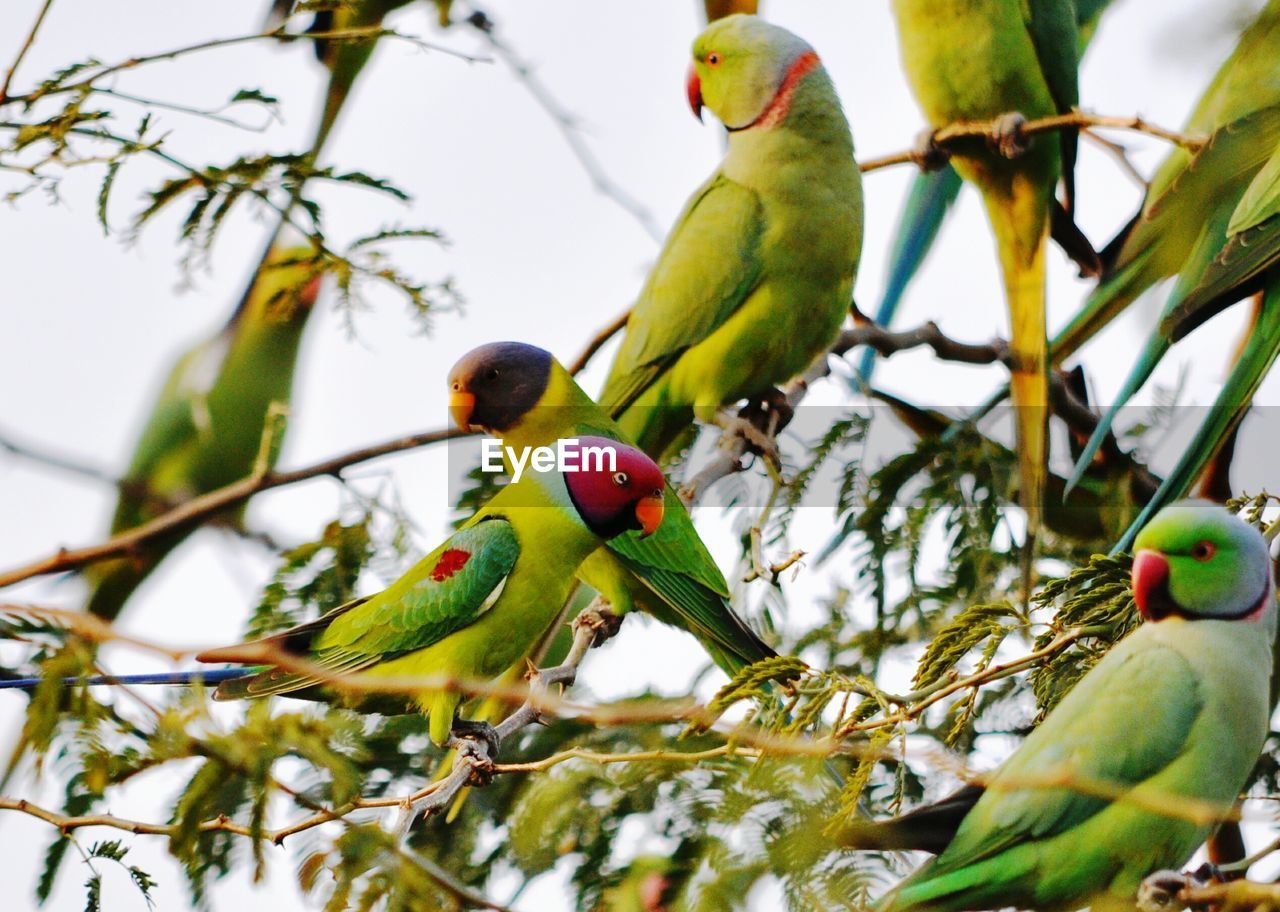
{"points": [[745, 69], [494, 386], [613, 495], [1195, 560]]}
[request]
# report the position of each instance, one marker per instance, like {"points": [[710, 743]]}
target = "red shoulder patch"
{"points": [[450, 563]]}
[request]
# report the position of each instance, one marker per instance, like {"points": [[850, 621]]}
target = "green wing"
{"points": [[709, 266], [676, 566], [1055, 34], [1091, 736], [447, 590]]}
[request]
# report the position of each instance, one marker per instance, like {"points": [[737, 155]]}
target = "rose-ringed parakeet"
{"points": [[523, 395], [477, 603], [1188, 188], [757, 274], [1175, 715], [928, 202], [207, 425], [979, 60], [1245, 261]]}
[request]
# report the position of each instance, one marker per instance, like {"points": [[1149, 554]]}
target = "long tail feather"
{"points": [[179, 678], [929, 200], [1255, 360]]}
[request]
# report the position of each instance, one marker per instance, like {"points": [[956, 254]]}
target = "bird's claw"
{"points": [[927, 154], [1159, 891], [1009, 136], [736, 427], [604, 622], [769, 410], [466, 738]]}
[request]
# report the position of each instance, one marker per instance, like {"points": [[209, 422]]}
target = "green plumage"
{"points": [[670, 574], [465, 623], [1168, 724], [926, 206], [970, 60], [206, 427], [757, 274]]}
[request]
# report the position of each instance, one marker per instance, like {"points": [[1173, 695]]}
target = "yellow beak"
{"points": [[461, 405]]}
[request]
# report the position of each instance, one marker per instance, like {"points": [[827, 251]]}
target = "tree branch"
{"points": [[568, 126], [22, 51], [1075, 120], [195, 511], [598, 341]]}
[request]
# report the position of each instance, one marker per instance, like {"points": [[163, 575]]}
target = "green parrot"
{"points": [[927, 204], [477, 603], [979, 60], [524, 396], [207, 425], [1226, 265], [1188, 188], [343, 59], [1175, 714], [757, 275]]}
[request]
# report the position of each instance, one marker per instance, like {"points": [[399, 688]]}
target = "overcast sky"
{"points": [[91, 325]]}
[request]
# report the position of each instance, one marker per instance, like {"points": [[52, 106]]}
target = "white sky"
{"points": [[90, 325]]}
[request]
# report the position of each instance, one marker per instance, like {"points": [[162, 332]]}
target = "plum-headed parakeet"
{"points": [[208, 423], [477, 603], [1096, 797], [757, 274], [523, 395]]}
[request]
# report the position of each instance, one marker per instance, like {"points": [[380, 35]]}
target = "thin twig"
{"points": [[56, 460], [1075, 120], [203, 507], [568, 126], [276, 34], [22, 51], [598, 341]]}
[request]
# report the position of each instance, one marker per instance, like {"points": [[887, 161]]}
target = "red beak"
{"points": [[1150, 575], [693, 88]]}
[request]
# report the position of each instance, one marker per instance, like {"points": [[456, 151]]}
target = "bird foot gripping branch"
{"points": [[927, 153], [476, 744], [1009, 135]]}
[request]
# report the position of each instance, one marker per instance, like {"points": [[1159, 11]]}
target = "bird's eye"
{"points": [[456, 386], [713, 59], [1204, 551], [491, 374], [621, 479]]}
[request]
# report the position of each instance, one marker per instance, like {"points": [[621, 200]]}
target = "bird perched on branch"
{"points": [[478, 602], [213, 415], [1132, 770], [757, 274], [928, 202], [1008, 60], [523, 395], [1212, 218]]}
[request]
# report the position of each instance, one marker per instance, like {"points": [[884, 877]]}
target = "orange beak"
{"points": [[461, 405], [649, 514]]}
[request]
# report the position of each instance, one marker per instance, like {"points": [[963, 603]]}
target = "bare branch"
{"points": [[568, 126], [22, 51], [598, 341], [201, 508], [1075, 120]]}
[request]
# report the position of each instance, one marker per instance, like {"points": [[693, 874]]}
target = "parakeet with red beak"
{"points": [[757, 274], [477, 603], [523, 395], [1173, 717]]}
